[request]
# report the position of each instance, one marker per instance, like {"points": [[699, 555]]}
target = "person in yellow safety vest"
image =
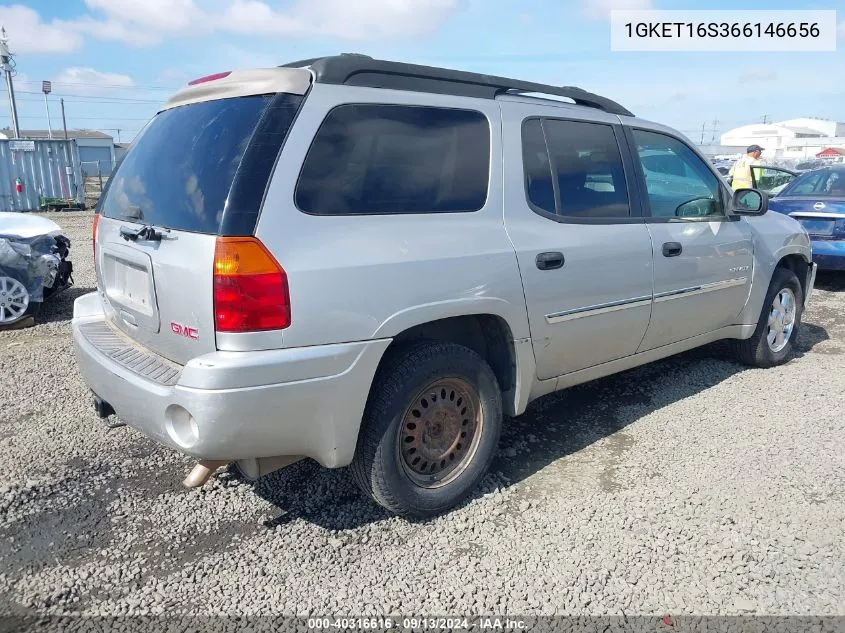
{"points": [[741, 171]]}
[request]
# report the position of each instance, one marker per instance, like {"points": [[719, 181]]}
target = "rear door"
{"points": [[583, 250], [702, 256], [196, 171]]}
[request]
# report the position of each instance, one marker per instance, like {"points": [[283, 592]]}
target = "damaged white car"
{"points": [[34, 265]]}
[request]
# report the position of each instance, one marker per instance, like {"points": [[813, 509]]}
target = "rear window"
{"points": [[817, 183], [391, 159], [179, 172]]}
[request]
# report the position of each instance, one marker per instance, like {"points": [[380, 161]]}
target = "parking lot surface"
{"points": [[692, 485]]}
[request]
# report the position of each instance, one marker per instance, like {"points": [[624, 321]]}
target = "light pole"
{"points": [[47, 88]]}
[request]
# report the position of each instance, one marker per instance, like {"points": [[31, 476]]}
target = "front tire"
{"points": [[16, 305], [777, 328], [430, 429]]}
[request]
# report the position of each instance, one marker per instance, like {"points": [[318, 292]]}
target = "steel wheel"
{"points": [[781, 320], [14, 300], [439, 432]]}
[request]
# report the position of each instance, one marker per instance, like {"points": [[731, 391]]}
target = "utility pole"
{"points": [[765, 119], [715, 127], [702, 133], [68, 153], [64, 121], [7, 68], [46, 88]]}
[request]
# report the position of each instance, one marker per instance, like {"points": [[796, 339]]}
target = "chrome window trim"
{"points": [[636, 302], [602, 308], [699, 290]]}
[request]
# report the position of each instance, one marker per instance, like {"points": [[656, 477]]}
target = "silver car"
{"points": [[370, 263]]}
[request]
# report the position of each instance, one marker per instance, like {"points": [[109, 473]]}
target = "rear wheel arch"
{"points": [[488, 335]]}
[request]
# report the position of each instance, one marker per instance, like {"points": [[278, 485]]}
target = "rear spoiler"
{"points": [[244, 83]]}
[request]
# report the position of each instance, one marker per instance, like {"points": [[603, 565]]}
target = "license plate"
{"points": [[130, 285], [818, 227]]}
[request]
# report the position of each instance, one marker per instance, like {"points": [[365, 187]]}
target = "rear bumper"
{"points": [[829, 254], [240, 405]]}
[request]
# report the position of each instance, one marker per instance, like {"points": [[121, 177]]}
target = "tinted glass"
{"points": [[587, 166], [386, 159], [178, 172], [818, 183], [537, 168], [678, 182]]}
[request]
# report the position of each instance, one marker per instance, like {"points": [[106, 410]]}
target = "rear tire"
{"points": [[779, 323], [430, 429]]}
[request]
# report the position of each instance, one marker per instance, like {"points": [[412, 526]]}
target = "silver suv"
{"points": [[370, 263]]}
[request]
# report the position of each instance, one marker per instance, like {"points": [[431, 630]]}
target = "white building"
{"points": [[795, 138]]}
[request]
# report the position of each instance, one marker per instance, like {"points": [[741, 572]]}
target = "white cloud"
{"points": [[112, 30], [600, 9], [148, 22], [366, 19], [253, 17], [28, 34], [88, 77], [842, 28], [163, 15]]}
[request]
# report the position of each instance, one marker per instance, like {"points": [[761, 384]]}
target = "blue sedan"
{"points": [[817, 200]]}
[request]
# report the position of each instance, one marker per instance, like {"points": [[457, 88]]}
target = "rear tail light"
{"points": [[94, 227], [250, 287]]}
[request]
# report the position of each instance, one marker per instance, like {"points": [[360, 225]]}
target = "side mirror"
{"points": [[750, 202]]}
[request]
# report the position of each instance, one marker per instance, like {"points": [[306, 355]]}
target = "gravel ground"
{"points": [[692, 485]]}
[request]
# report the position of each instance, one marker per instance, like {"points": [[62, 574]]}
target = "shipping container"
{"points": [[31, 170]]}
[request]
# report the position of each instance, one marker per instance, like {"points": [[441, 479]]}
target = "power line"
{"points": [[109, 99], [95, 118], [107, 86]]}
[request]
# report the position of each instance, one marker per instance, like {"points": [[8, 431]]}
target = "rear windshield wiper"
{"points": [[147, 233]]}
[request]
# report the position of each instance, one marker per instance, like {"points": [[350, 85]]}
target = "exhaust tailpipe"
{"points": [[202, 471]]}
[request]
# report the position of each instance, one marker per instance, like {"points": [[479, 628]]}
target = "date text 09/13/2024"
{"points": [[417, 624]]}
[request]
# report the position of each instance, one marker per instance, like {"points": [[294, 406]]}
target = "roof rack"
{"points": [[353, 69]]}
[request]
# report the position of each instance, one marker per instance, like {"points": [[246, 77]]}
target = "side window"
{"points": [[678, 182], [393, 159], [537, 168], [578, 173]]}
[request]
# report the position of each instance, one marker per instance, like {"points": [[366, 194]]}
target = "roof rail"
{"points": [[353, 69]]}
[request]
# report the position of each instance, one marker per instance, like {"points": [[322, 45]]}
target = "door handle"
{"points": [[672, 249], [550, 260]]}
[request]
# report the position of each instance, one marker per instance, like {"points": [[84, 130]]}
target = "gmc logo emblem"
{"points": [[183, 330]]}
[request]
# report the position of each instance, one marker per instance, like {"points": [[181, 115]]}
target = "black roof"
{"points": [[352, 69]]}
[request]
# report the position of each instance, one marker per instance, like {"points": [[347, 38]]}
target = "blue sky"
{"points": [[115, 60]]}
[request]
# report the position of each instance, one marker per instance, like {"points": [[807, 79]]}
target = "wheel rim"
{"points": [[781, 320], [14, 300], [440, 431]]}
